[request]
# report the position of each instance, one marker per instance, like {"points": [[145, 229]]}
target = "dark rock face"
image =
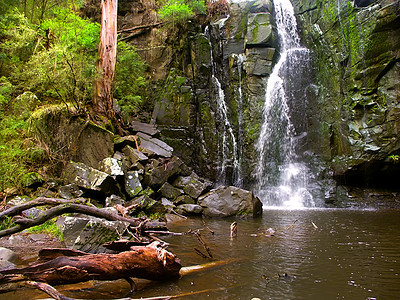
{"points": [[356, 119]]}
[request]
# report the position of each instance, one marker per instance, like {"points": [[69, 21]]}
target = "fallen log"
{"points": [[67, 206], [151, 262]]}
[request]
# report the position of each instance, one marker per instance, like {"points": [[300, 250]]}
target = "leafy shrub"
{"points": [[129, 79], [179, 11]]}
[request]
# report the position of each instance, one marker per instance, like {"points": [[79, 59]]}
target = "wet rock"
{"points": [[112, 166], [70, 191], [149, 129], [90, 178], [190, 209], [169, 191], [259, 61], [192, 185], [132, 183], [230, 201], [154, 145]]}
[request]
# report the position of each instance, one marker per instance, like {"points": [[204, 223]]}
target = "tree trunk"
{"points": [[151, 262], [103, 102]]}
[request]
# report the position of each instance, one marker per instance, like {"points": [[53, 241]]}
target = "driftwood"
{"points": [[151, 262], [68, 206]]}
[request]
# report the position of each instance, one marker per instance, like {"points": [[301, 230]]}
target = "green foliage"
{"points": [[394, 158], [50, 64], [50, 227], [129, 79], [179, 11], [6, 223]]}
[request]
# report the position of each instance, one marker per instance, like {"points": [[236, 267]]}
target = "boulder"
{"points": [[96, 232], [190, 209], [169, 191], [71, 228], [192, 185], [230, 201], [94, 144], [132, 183], [155, 146], [90, 178]]}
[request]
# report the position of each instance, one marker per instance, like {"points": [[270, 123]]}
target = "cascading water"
{"points": [[228, 147], [237, 175], [281, 175]]}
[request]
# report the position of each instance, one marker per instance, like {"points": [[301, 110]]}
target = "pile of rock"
{"points": [[143, 175]]}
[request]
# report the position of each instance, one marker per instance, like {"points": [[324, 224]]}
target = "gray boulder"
{"points": [[97, 232], [90, 178], [230, 201], [89, 234], [190, 209], [192, 185]]}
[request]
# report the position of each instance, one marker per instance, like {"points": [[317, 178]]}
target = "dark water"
{"points": [[348, 254]]}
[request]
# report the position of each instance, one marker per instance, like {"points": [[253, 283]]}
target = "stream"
{"points": [[331, 253]]}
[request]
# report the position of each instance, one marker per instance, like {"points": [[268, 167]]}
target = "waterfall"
{"points": [[282, 177], [237, 175], [228, 148]]}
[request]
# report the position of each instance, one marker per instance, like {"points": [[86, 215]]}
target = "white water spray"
{"points": [[281, 176]]}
